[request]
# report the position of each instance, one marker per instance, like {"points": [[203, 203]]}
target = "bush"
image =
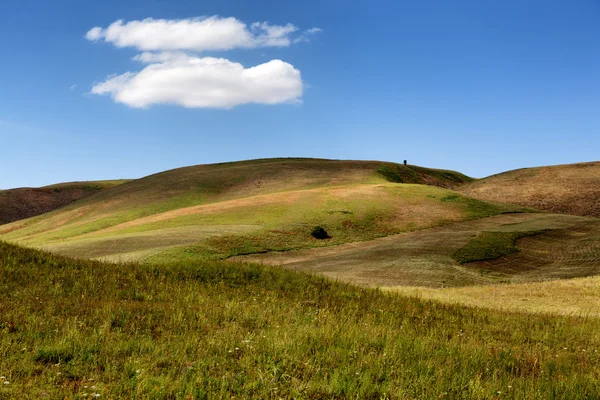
{"points": [[319, 232]]}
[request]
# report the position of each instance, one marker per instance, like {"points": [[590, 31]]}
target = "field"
{"points": [[579, 296], [222, 210], [553, 247], [424, 284], [78, 329]]}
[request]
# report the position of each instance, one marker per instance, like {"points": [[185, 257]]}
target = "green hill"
{"points": [[22, 203], [78, 329], [220, 210]]}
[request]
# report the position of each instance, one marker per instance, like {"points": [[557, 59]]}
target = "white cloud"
{"points": [[174, 75], [177, 78], [272, 35], [94, 34], [308, 34], [193, 34]]}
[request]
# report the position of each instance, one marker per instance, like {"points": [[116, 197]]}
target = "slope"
{"points": [[81, 329], [252, 206], [546, 246], [568, 189], [22, 203]]}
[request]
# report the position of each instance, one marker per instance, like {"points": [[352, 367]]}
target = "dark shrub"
{"points": [[319, 232]]}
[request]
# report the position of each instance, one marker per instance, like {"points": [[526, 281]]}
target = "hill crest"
{"points": [[565, 189]]}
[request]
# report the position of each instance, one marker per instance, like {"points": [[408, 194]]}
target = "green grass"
{"points": [[491, 245], [357, 218], [569, 247], [281, 222], [413, 174], [205, 184], [87, 185], [222, 330], [282, 198]]}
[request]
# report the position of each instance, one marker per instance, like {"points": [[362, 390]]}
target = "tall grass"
{"points": [[219, 330]]}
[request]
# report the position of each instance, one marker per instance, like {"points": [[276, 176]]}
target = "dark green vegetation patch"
{"points": [[220, 330], [426, 176], [491, 245], [319, 232]]}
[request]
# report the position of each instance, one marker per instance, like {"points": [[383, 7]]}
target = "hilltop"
{"points": [[566, 189], [22, 203]]}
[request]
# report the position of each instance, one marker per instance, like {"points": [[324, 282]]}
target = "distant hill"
{"points": [[251, 206], [21, 203], [566, 189]]}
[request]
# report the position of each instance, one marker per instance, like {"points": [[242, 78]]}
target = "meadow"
{"points": [[74, 329], [222, 210], [501, 249], [207, 282]]}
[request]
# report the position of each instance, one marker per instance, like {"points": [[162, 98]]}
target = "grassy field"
{"points": [[274, 222], [563, 247], [222, 210], [569, 189], [77, 329]]}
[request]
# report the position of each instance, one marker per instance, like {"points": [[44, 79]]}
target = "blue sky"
{"points": [[476, 86]]}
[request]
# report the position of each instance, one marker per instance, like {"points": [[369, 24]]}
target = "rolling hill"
{"points": [[220, 210], [22, 203], [566, 189], [386, 224]]}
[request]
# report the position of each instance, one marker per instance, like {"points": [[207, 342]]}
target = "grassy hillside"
{"points": [[505, 248], [220, 210], [568, 189], [22, 203], [75, 329]]}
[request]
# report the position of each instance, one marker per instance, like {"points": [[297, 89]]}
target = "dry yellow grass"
{"points": [[566, 189], [580, 296]]}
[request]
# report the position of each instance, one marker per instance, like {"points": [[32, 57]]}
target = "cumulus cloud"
{"points": [[176, 74], [189, 81], [193, 34]]}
